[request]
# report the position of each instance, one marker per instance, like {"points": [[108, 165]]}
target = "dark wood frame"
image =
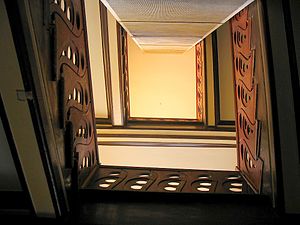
{"points": [[218, 121], [106, 64]]}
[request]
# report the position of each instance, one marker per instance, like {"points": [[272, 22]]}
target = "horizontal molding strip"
{"points": [[167, 132], [166, 136], [167, 140], [164, 144]]}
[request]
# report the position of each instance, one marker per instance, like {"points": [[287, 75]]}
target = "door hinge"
{"points": [[23, 95]]}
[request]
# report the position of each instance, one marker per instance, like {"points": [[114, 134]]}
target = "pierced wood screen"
{"points": [[248, 127], [112, 178], [72, 83], [200, 80]]}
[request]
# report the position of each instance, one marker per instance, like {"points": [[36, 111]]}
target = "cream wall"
{"points": [[114, 67], [96, 57], [210, 95], [169, 157], [161, 85], [225, 59]]}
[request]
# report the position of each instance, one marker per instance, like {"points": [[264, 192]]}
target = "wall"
{"points": [[225, 73], [169, 157], [161, 85], [219, 78], [114, 67], [93, 22]]}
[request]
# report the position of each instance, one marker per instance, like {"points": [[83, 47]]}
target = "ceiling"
{"points": [[172, 25]]}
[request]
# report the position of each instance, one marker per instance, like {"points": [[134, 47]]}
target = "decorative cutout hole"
{"points": [[69, 52], [206, 184], [234, 177], [136, 187], [75, 58], [237, 190], [174, 177], [70, 97], [114, 174], [63, 53], [74, 94], [203, 177], [141, 182], [55, 2], [110, 180], [170, 188], [250, 163], [173, 183], [104, 185], [144, 175], [69, 13], [203, 189], [83, 162], [63, 5], [247, 156], [236, 184], [79, 97]]}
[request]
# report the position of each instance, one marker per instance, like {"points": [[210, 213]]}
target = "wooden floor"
{"points": [[209, 211], [214, 210]]}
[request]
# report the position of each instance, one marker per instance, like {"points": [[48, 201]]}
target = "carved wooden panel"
{"points": [[167, 180], [200, 80], [248, 127], [73, 82]]}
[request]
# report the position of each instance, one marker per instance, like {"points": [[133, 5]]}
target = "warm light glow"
{"points": [[161, 85]]}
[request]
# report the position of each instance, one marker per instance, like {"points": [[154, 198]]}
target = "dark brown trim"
{"points": [[218, 121], [103, 120], [200, 96], [90, 81], [205, 82], [106, 61], [24, 201], [164, 144], [166, 126], [198, 137], [123, 52], [123, 67]]}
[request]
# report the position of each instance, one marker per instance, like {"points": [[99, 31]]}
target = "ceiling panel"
{"points": [[186, 41], [172, 18], [174, 10], [155, 29]]}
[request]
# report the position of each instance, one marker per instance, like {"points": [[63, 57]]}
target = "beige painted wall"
{"points": [[161, 85], [96, 58], [209, 82], [225, 59], [20, 122], [114, 67], [169, 157]]}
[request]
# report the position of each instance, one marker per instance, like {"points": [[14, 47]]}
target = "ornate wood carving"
{"points": [[248, 127], [167, 180], [200, 80], [72, 78]]}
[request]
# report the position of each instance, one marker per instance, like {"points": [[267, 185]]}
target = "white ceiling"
{"points": [[177, 24]]}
